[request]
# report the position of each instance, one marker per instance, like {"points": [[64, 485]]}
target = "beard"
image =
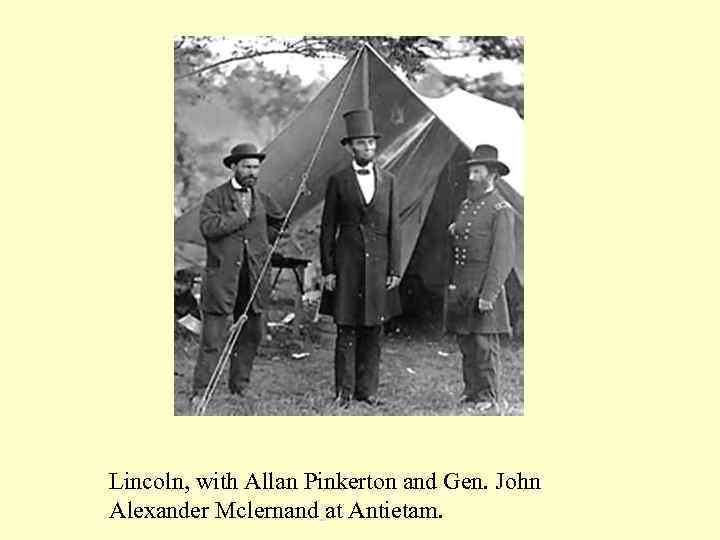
{"points": [[363, 158], [475, 190], [246, 181]]}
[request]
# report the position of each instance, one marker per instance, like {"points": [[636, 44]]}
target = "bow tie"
{"points": [[243, 190], [362, 171]]}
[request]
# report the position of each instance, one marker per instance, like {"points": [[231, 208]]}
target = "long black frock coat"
{"points": [[360, 244]]}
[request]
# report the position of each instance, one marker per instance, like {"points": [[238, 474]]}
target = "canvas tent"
{"points": [[424, 143]]}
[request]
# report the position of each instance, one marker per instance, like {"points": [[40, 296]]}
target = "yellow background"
{"points": [[621, 209]]}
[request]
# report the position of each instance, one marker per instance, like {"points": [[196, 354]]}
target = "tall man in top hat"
{"points": [[238, 223], [360, 258], [482, 240]]}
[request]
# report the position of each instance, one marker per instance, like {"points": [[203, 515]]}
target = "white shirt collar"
{"points": [[235, 184]]}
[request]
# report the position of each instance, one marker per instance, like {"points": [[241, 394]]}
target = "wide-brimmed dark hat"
{"points": [[242, 151], [358, 125], [485, 154]]}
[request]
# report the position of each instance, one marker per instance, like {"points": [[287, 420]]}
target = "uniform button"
{"points": [[239, 263]]}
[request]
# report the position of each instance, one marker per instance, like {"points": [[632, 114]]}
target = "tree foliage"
{"points": [[186, 171], [193, 56], [269, 98], [492, 86]]}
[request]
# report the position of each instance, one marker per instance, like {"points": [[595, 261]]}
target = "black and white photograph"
{"points": [[349, 225]]}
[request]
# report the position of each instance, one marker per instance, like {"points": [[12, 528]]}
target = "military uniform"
{"points": [[483, 249]]}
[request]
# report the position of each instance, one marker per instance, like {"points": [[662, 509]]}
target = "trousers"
{"points": [[357, 361], [215, 333], [480, 354]]}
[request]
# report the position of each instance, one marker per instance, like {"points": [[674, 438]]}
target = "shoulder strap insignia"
{"points": [[501, 205]]}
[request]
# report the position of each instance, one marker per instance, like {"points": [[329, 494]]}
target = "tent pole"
{"points": [[365, 78]]}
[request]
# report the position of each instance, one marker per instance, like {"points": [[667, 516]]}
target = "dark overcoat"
{"points": [[236, 243], [483, 250], [360, 244]]}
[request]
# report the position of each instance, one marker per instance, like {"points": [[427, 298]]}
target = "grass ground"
{"points": [[420, 375]]}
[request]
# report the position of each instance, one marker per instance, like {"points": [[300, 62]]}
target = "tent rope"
{"points": [[237, 327]]}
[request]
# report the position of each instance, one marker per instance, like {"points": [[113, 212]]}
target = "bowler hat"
{"points": [[359, 124], [484, 154], [242, 151]]}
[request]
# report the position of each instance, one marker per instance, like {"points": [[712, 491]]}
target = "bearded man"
{"points": [[482, 240], [360, 258], [239, 224]]}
